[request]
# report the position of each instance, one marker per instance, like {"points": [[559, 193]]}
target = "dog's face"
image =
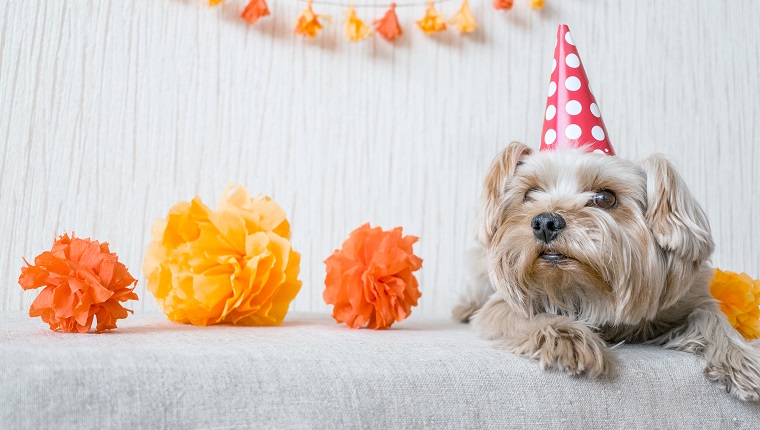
{"points": [[590, 235]]}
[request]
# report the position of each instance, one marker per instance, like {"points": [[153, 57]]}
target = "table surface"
{"points": [[313, 373]]}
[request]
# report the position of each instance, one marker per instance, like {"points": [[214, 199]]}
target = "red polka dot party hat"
{"points": [[572, 117]]}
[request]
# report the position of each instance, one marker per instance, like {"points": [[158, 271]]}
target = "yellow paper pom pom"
{"points": [[233, 265], [308, 23], [464, 19], [739, 297], [432, 21], [537, 4], [355, 29]]}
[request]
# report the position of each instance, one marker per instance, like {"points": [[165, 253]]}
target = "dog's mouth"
{"points": [[552, 256]]}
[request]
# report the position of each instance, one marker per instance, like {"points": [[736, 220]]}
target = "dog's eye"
{"points": [[528, 197], [604, 199]]}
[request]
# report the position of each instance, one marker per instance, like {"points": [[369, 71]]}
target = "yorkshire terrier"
{"points": [[583, 249]]}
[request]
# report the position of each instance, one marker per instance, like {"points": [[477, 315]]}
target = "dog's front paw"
{"points": [[737, 370], [571, 348]]}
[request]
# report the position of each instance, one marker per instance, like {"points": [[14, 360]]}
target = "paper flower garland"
{"points": [[308, 23], [739, 297], [370, 280], [233, 265], [82, 280]]}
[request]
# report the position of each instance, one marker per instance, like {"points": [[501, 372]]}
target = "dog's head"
{"points": [[591, 235]]}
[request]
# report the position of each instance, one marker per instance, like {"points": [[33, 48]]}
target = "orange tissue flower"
{"points": [[739, 297], [388, 25], [255, 10], [370, 280], [432, 21], [503, 4], [82, 280], [233, 265]]}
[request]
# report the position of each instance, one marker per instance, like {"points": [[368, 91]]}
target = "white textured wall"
{"points": [[112, 110]]}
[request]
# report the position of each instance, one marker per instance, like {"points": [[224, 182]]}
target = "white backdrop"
{"points": [[111, 111]]}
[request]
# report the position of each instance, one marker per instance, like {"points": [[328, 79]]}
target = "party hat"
{"points": [[572, 117]]}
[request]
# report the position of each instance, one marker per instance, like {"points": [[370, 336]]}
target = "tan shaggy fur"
{"points": [[635, 272]]}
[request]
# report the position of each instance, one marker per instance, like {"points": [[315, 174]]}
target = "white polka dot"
{"points": [[569, 38], [552, 88], [573, 61], [550, 136], [550, 112], [572, 83], [573, 131], [597, 132], [595, 110], [598, 151], [573, 107], [554, 65]]}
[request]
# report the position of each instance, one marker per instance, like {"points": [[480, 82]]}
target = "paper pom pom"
{"points": [[370, 279], [464, 19], [388, 25], [739, 297], [308, 22], [503, 4], [82, 280], [233, 265], [432, 21], [355, 29], [255, 10], [536, 4]]}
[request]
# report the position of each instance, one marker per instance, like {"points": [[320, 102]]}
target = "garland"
{"points": [[309, 23]]}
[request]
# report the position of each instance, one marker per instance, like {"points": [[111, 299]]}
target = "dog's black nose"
{"points": [[547, 226]]}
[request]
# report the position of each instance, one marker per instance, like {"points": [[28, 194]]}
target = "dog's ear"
{"points": [[501, 171], [677, 221]]}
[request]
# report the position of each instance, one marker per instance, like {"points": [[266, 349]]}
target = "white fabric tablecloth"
{"points": [[312, 373]]}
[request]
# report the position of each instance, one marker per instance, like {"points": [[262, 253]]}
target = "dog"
{"points": [[582, 249]]}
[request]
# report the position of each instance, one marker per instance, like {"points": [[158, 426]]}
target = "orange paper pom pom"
{"points": [[82, 280], [503, 4], [308, 22], [464, 19], [255, 10], [356, 29], [370, 279], [536, 4], [388, 25], [212, 3], [432, 21], [739, 297], [233, 265]]}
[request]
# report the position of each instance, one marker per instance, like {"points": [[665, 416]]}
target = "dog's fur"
{"points": [[636, 272]]}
